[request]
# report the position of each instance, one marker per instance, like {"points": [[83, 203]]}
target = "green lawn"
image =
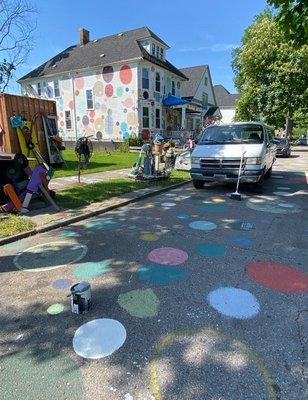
{"points": [[13, 224], [100, 161], [91, 193]]}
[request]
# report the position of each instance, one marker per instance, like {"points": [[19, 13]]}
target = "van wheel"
{"points": [[268, 173], [198, 184]]}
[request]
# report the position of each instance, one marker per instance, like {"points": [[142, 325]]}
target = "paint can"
{"points": [[81, 298]]}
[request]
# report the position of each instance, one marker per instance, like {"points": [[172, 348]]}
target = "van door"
{"points": [[270, 148]]}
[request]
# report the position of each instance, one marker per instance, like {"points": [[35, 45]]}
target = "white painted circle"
{"points": [[283, 188], [234, 302], [282, 193], [286, 205], [99, 338], [203, 225], [171, 194], [168, 204], [83, 248], [277, 176]]}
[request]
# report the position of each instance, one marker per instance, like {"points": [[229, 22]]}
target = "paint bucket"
{"points": [[80, 298]]}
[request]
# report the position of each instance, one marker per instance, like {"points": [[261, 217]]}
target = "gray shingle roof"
{"points": [[224, 98], [116, 48], [194, 74]]}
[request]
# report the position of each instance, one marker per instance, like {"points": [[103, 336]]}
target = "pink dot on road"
{"points": [[278, 276], [168, 256]]}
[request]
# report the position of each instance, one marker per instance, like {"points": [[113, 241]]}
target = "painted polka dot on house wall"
{"points": [[79, 83], [126, 74], [92, 114], [107, 74], [66, 84], [99, 123], [76, 92], [129, 102], [119, 91], [85, 120], [109, 90], [98, 89], [132, 118]]}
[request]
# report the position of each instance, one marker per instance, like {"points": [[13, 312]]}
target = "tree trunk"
{"points": [[289, 125]]}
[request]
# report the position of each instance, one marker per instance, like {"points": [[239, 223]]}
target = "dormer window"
{"points": [[153, 49], [157, 82], [161, 53], [173, 88], [157, 51]]}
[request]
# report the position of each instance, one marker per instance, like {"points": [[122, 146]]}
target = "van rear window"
{"points": [[246, 133]]}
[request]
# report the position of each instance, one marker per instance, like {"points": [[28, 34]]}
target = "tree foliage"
{"points": [[292, 16], [270, 73], [17, 25]]}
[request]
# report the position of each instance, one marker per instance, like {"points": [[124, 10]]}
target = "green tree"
{"points": [[292, 16], [270, 73]]}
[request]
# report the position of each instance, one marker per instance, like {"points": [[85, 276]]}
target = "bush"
{"points": [[124, 146], [134, 140]]}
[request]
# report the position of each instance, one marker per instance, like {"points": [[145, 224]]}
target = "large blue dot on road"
{"points": [[241, 241], [103, 224], [212, 249], [203, 225], [89, 270], [234, 302], [161, 274]]}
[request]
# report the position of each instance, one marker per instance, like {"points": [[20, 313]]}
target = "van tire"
{"points": [[198, 184], [268, 173]]}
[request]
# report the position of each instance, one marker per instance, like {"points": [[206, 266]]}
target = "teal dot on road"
{"points": [[103, 224], [214, 208], [161, 274], [241, 241], [67, 233], [183, 216], [89, 270], [212, 249], [55, 309], [203, 225]]}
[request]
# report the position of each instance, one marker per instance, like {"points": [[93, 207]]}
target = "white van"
{"points": [[219, 149]]}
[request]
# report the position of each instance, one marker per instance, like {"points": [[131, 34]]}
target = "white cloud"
{"points": [[218, 47]]}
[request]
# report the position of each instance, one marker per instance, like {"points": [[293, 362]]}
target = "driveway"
{"points": [[195, 296]]}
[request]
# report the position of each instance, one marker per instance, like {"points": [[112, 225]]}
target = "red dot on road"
{"points": [[278, 276]]}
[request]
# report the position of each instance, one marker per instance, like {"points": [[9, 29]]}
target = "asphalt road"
{"points": [[195, 296]]}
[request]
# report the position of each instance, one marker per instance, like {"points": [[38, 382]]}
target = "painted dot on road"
{"points": [[103, 224], [161, 274], [183, 216], [67, 233], [212, 249], [286, 205], [48, 256], [61, 283], [91, 269], [149, 236], [168, 256], [272, 206], [279, 193], [241, 241], [283, 188], [203, 225], [171, 194], [55, 309], [234, 302], [242, 226], [218, 200], [139, 303], [278, 276], [16, 246], [167, 204], [99, 338], [214, 208]]}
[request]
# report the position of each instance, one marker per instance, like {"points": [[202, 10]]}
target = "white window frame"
{"points": [[173, 88], [157, 51], [157, 74], [158, 119], [39, 88], [148, 78], [153, 49], [147, 116], [70, 119], [161, 53], [91, 90], [58, 88]]}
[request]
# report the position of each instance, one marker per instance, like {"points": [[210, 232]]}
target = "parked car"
{"points": [[303, 141], [182, 162], [218, 153], [282, 147]]}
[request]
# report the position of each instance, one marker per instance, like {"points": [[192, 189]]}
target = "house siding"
{"points": [[205, 88]]}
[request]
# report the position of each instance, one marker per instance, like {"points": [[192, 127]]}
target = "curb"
{"points": [[89, 214]]}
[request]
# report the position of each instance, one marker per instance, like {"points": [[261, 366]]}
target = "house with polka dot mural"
{"points": [[111, 87]]}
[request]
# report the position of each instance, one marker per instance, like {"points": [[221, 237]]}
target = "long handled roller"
{"points": [[236, 195]]}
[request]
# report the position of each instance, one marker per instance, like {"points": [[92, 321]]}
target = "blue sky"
{"points": [[198, 32]]}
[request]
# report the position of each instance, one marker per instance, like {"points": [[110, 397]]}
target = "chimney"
{"points": [[84, 36]]}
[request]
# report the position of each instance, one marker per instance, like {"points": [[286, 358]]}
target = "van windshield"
{"points": [[246, 133]]}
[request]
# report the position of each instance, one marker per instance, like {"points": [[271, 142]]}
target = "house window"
{"points": [[153, 49], [161, 53], [39, 89], [68, 120], [157, 118], [173, 88], [145, 78], [157, 82], [204, 98], [89, 98], [145, 117], [205, 80], [157, 51], [56, 87]]}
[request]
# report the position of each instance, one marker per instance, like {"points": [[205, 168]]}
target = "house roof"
{"points": [[224, 98], [116, 48], [194, 74]]}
